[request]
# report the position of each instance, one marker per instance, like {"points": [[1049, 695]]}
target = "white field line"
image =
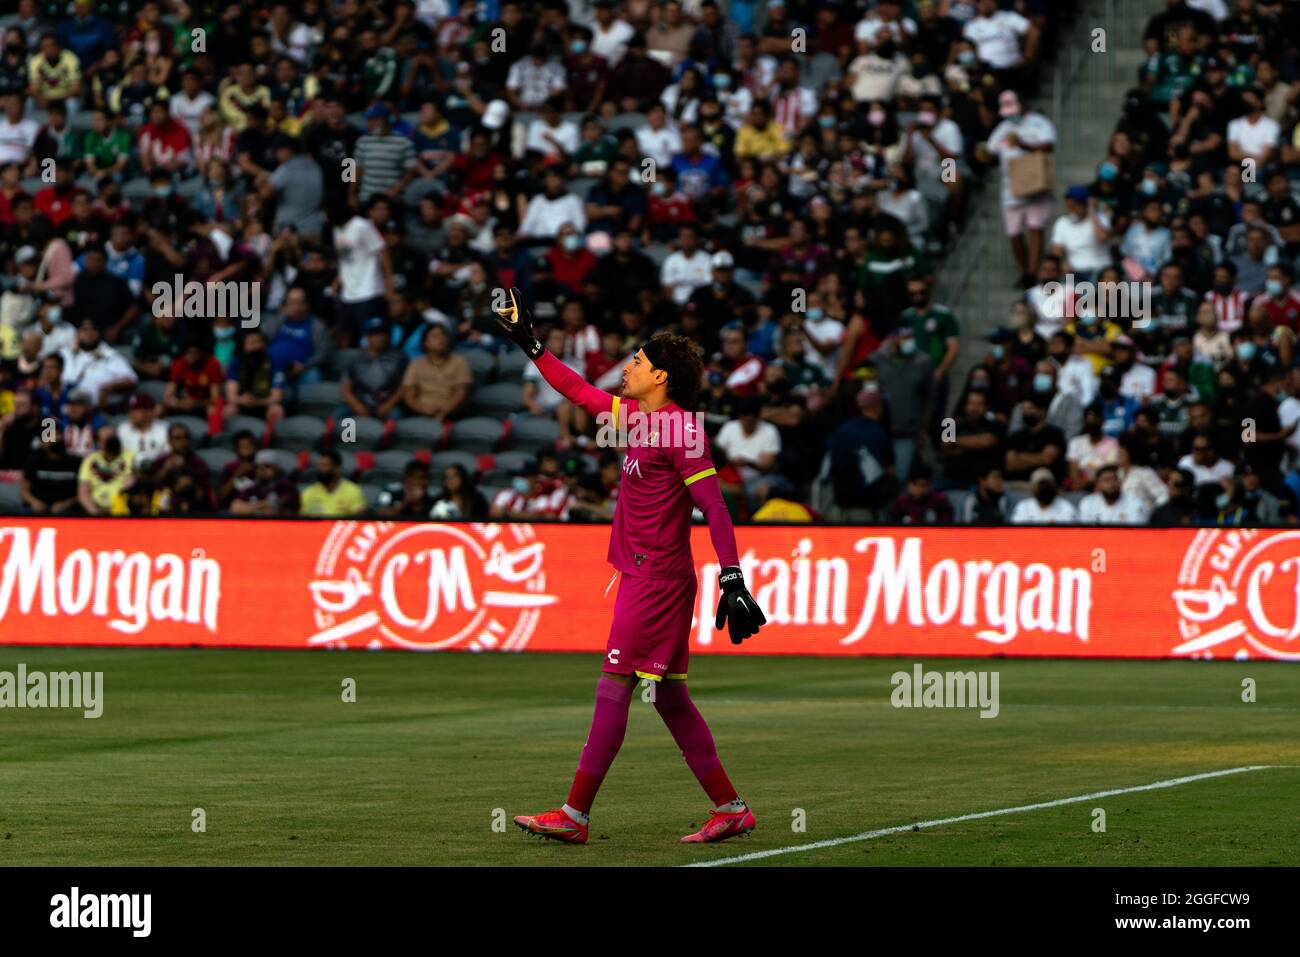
{"points": [[919, 825]]}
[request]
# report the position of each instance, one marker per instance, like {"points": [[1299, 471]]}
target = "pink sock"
{"points": [[608, 725], [691, 732]]}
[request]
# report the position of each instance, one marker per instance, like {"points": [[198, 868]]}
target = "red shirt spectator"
{"points": [[55, 204], [1284, 311], [570, 269], [195, 381], [165, 144]]}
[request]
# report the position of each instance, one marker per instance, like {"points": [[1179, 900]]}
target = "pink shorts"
{"points": [[1033, 215], [651, 631]]}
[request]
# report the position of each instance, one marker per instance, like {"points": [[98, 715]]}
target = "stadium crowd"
{"points": [[775, 181]]}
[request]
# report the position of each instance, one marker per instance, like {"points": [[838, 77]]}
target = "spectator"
{"points": [[1045, 506], [459, 498], [988, 505], [1180, 509], [372, 384], [687, 269], [104, 475], [385, 161], [50, 479], [1035, 446], [194, 383], [96, 367], [906, 379], [1109, 505], [254, 386], [332, 494], [268, 493], [920, 504], [1025, 217], [752, 445], [142, 435], [409, 498], [180, 476], [437, 383]]}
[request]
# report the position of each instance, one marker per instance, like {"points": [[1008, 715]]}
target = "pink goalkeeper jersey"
{"points": [[665, 474]]}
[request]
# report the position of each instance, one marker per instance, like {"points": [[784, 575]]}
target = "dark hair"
{"points": [[333, 456], [680, 358]]}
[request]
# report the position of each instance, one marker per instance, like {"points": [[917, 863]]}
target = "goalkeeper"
{"points": [[650, 549]]}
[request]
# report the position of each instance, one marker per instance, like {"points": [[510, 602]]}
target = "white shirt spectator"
{"points": [[1083, 251], [566, 135], [612, 43], [927, 163], [1050, 310], [684, 274], [872, 77], [1207, 475], [62, 336], [544, 216], [1143, 483], [144, 444], [361, 271], [1254, 138], [1032, 128], [1125, 510], [737, 104], [1088, 456], [764, 440], [17, 139], [535, 83], [1289, 413], [92, 370], [1029, 512], [1138, 382], [690, 111], [661, 144], [187, 110], [828, 331], [1077, 377], [997, 38], [870, 26]]}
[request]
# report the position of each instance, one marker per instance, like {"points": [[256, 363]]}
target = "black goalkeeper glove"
{"points": [[736, 606], [516, 323]]}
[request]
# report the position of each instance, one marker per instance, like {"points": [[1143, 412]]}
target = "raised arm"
{"points": [[516, 323]]}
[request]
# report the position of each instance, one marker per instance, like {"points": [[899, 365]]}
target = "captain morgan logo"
{"points": [[428, 587], [1239, 595]]}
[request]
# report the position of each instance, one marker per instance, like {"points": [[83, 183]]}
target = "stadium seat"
{"points": [[625, 121], [582, 186], [298, 432], [417, 432], [153, 388], [367, 432], [371, 492], [511, 460], [198, 427], [233, 425], [476, 434], [189, 188], [137, 190], [498, 399], [388, 466], [348, 463], [511, 366], [441, 460], [480, 363], [11, 498], [957, 498], [531, 433], [340, 359], [287, 461], [319, 398], [216, 459]]}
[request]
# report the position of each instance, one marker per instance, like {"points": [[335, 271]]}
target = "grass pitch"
{"points": [[438, 748]]}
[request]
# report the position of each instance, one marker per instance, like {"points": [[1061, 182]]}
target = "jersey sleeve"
{"points": [[695, 466], [581, 392]]}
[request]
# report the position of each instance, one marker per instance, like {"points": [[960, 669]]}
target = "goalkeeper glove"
{"points": [[736, 606], [516, 323]]}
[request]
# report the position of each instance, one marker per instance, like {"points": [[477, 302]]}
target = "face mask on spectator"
{"points": [[925, 118], [659, 189], [1045, 493], [573, 242], [578, 47], [1245, 351], [54, 314], [907, 346], [1107, 172], [999, 352], [1274, 288], [876, 117], [816, 315], [1221, 500], [223, 332], [1042, 383], [722, 82], [1223, 288], [966, 57], [1150, 187], [521, 485], [826, 122]]}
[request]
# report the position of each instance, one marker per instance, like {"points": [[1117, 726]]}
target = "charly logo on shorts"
{"points": [[427, 587], [1238, 595]]}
